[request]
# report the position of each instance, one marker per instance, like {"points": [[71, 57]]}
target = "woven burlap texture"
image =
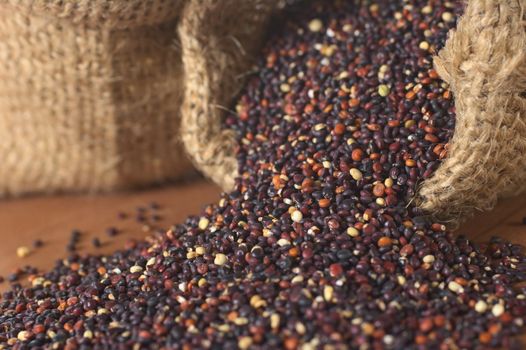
{"points": [[218, 40], [484, 61], [101, 13], [90, 95]]}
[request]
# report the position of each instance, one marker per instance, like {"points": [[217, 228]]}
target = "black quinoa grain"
{"points": [[38, 243], [71, 247], [96, 242], [13, 277], [75, 235], [112, 231]]}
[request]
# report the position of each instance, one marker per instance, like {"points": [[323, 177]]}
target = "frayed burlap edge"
{"points": [[218, 39], [484, 61]]}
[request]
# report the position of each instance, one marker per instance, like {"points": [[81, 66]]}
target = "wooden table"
{"points": [[52, 218]]}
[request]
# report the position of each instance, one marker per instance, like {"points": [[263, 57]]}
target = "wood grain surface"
{"points": [[51, 219]]}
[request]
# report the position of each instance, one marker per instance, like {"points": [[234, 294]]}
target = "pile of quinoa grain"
{"points": [[318, 246]]}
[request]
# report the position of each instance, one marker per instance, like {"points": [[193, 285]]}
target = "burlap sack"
{"points": [[90, 94], [483, 60], [219, 39], [91, 90]]}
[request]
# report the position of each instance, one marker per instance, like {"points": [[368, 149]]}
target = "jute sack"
{"points": [[90, 94], [91, 90], [483, 61], [219, 40]]}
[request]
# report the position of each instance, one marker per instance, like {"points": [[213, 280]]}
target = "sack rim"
{"points": [[110, 14]]}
